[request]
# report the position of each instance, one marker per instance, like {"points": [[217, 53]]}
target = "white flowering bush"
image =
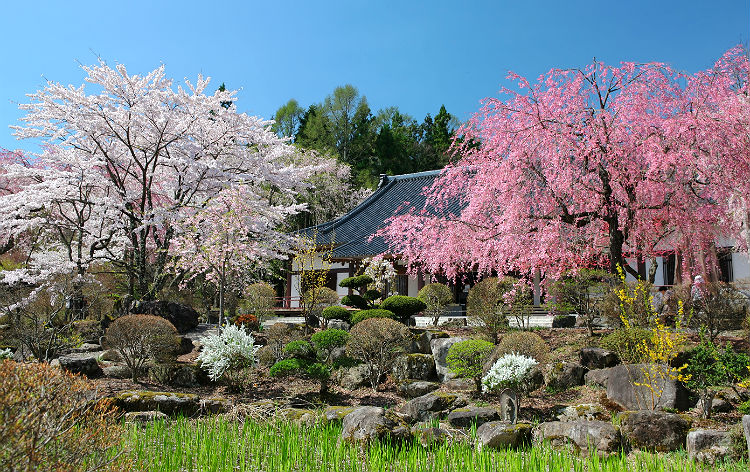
{"points": [[6, 354], [510, 371], [233, 348], [382, 273]]}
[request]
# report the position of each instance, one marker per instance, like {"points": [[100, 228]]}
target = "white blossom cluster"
{"points": [[231, 348], [382, 272], [510, 371], [6, 354]]}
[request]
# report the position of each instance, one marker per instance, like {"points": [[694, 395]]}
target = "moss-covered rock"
{"points": [[170, 403], [336, 414]]}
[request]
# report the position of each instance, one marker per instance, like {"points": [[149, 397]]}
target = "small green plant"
{"points": [[467, 359], [710, 367]]}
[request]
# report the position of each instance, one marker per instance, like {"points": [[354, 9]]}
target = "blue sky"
{"points": [[413, 54]]}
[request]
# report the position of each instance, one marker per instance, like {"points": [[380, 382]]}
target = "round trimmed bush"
{"points": [[524, 343], [336, 313], [299, 350], [358, 282], [287, 367], [467, 359], [374, 313], [402, 306], [329, 339], [356, 301]]}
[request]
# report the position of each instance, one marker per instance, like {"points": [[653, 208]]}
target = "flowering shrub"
{"points": [[382, 273], [510, 371], [6, 354], [232, 348]]}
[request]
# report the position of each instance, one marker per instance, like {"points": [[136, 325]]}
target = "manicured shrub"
{"points": [[336, 313], [378, 342], [139, 338], [287, 367], [299, 350], [357, 301], [521, 342], [327, 340], [311, 360], [625, 342], [467, 359], [373, 313], [250, 322], [402, 306], [359, 282], [54, 421], [228, 352], [510, 371], [437, 297], [259, 300]]}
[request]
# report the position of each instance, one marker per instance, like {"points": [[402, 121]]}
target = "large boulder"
{"points": [[597, 358], [170, 403], [117, 371], [180, 375], [81, 363], [352, 378], [423, 338], [417, 389], [183, 317], [465, 417], [367, 423], [654, 430], [86, 347], [339, 324], [705, 445], [414, 367], [622, 389], [336, 414], [584, 411], [439, 347], [583, 434], [430, 406], [560, 376], [144, 416], [503, 435], [597, 377]]}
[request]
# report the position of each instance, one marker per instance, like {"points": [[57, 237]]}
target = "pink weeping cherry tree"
{"points": [[588, 167]]}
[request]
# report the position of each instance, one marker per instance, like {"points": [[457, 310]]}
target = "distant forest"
{"points": [[386, 142]]}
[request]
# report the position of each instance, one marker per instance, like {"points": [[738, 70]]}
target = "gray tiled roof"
{"points": [[351, 232]]}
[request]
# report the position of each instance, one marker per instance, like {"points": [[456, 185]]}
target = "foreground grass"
{"points": [[220, 445]]}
